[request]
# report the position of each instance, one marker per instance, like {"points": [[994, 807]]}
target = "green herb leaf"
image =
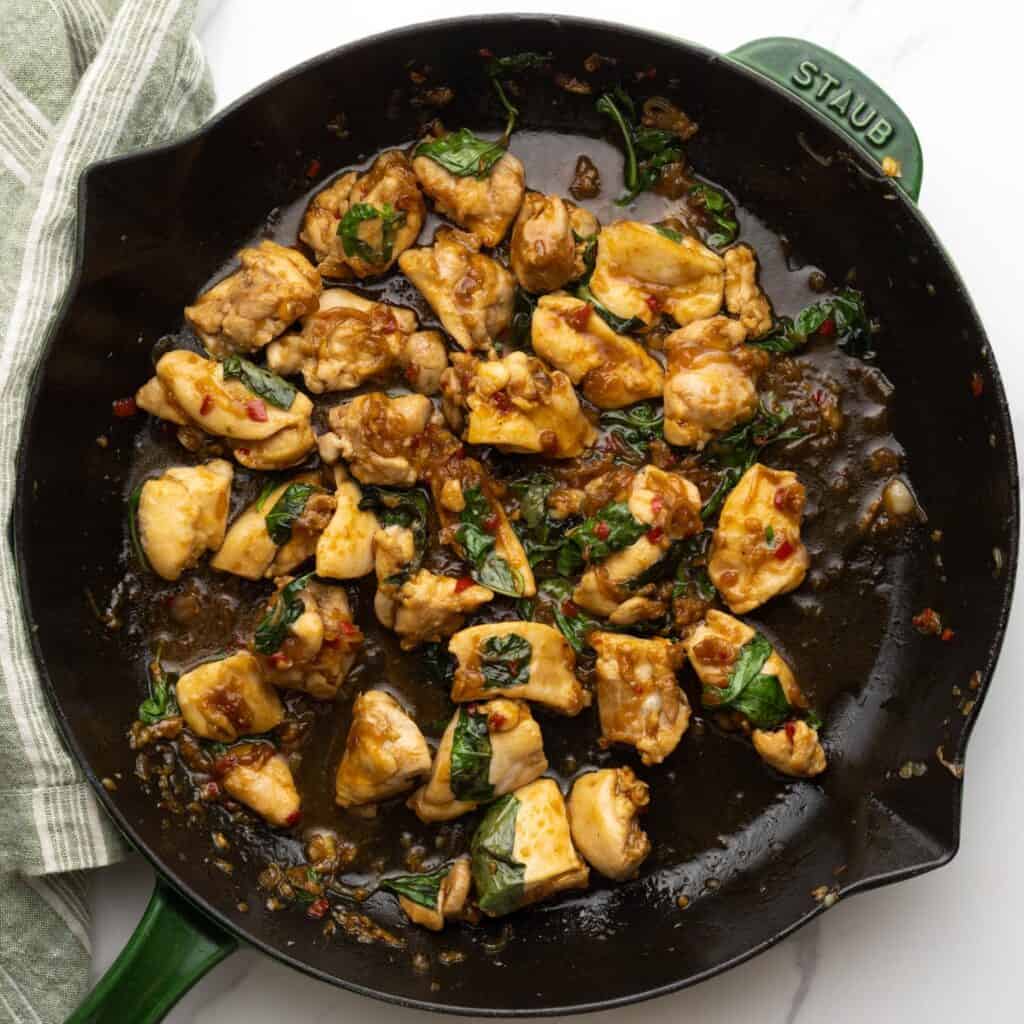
{"points": [[670, 233], [503, 67], [267, 385], [439, 664], [133, 527], [717, 208], [287, 607], [760, 697], [606, 104], [422, 889], [539, 533], [281, 518], [814, 720], [505, 661], [499, 878], [471, 758], [463, 154], [409, 509], [769, 534], [589, 255], [487, 567], [847, 315], [519, 333], [348, 231], [161, 702], [618, 324], [692, 578], [610, 529], [268, 488], [636, 426], [573, 623]]}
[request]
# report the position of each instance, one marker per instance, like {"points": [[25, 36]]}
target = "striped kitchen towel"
{"points": [[80, 80]]}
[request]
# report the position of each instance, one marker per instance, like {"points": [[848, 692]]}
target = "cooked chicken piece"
{"points": [[713, 647], [792, 750], [345, 548], [540, 860], [507, 752], [459, 486], [667, 503], [249, 550], [390, 187], [195, 393], [756, 551], [639, 700], [378, 437], [471, 294], [259, 777], [273, 288], [384, 754], [711, 380], [319, 647], [545, 253], [525, 660], [350, 340], [743, 295], [484, 206], [223, 700], [182, 514], [611, 370], [603, 811], [641, 273], [518, 405], [452, 894]]}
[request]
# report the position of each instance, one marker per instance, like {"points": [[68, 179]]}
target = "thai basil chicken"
{"points": [[401, 545]]}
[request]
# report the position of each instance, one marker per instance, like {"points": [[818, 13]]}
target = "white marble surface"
{"points": [[944, 947]]}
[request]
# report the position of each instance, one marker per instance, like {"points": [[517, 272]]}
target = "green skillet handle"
{"points": [[171, 949], [846, 96]]}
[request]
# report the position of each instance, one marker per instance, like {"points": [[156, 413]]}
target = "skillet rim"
{"points": [[20, 518]]}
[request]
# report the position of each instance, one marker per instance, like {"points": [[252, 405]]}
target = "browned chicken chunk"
{"points": [[548, 242], [251, 307], [361, 223], [603, 810], [223, 700], [471, 293], [450, 903], [743, 295], [345, 548], [256, 775]]}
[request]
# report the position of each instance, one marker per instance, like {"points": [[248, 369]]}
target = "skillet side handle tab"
{"points": [[844, 95], [173, 946]]}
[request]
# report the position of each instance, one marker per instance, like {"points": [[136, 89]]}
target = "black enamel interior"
{"points": [[154, 227]]}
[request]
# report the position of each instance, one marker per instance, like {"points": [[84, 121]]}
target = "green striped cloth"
{"points": [[80, 80]]}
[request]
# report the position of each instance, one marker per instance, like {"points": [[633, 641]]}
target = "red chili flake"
{"points": [[349, 629], [210, 791], [818, 397], [827, 328], [648, 73], [579, 318], [206, 406], [496, 721], [653, 303], [927, 621], [485, 53], [460, 452], [654, 534], [977, 384], [224, 764], [657, 503], [569, 609], [256, 410], [463, 583], [410, 376], [318, 908], [280, 660], [313, 169], [784, 550], [242, 451], [790, 730], [124, 407], [501, 401], [947, 634], [293, 819], [779, 501], [602, 530], [491, 523]]}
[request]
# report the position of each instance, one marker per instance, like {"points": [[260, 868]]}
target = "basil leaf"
{"points": [[539, 533], [260, 382], [609, 530], [848, 316], [133, 527], [606, 104], [618, 324], [161, 702], [422, 889], [505, 661], [409, 509], [268, 488], [462, 154], [281, 518], [670, 233], [692, 578], [573, 623], [814, 720], [636, 426], [502, 67], [271, 629], [471, 758], [488, 568], [498, 877], [348, 231], [853, 327], [439, 664], [760, 697], [589, 254], [518, 334], [717, 209]]}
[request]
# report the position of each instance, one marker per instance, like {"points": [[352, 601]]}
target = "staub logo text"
{"points": [[843, 102]]}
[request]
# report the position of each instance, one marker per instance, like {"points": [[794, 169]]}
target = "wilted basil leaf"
{"points": [[463, 154], [636, 426], [287, 607], [161, 702], [717, 208], [422, 889], [497, 875], [503, 67], [133, 527], [618, 324], [348, 231], [409, 509], [281, 518], [260, 382], [488, 568], [505, 661], [760, 697], [610, 529], [471, 758]]}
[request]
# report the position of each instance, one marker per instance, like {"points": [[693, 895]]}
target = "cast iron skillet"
{"points": [[152, 227]]}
